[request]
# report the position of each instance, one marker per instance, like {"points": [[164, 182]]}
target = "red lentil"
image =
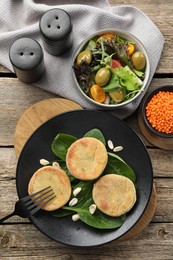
{"points": [[159, 111]]}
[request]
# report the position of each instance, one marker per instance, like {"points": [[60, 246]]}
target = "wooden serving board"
{"points": [[42, 111], [38, 114]]}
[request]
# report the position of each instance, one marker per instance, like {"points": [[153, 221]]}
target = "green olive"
{"points": [[84, 56], [138, 60], [102, 76], [118, 95]]}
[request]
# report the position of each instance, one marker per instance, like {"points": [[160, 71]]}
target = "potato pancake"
{"points": [[86, 158], [114, 194], [57, 179]]}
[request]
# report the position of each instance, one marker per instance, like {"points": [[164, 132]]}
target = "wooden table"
{"points": [[19, 239]]}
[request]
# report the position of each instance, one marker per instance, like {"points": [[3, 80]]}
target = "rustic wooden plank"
{"points": [[8, 193], [8, 161], [164, 189], [24, 241], [162, 162], [4, 69], [17, 96]]}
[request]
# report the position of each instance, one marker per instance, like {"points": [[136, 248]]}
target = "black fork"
{"points": [[29, 205]]}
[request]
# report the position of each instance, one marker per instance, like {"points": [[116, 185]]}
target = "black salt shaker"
{"points": [[26, 56], [56, 31]]}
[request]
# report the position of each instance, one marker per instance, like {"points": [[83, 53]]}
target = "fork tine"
{"points": [[21, 206], [42, 196], [36, 201], [34, 198], [33, 211], [27, 198]]}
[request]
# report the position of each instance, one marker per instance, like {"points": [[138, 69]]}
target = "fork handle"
{"points": [[6, 217]]}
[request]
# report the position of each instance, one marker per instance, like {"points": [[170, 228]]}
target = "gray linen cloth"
{"points": [[21, 19]]}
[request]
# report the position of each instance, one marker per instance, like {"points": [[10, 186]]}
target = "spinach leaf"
{"points": [[86, 192], [118, 166], [98, 219], [96, 133], [61, 143]]}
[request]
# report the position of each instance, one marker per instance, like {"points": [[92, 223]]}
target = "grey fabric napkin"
{"points": [[21, 19]]}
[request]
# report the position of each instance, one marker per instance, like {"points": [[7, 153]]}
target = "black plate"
{"points": [[77, 123]]}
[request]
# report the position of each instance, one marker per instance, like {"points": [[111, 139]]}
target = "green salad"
{"points": [[110, 69], [82, 190]]}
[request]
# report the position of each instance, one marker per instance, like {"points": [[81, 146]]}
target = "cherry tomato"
{"points": [[130, 49], [97, 93], [108, 36], [116, 64]]}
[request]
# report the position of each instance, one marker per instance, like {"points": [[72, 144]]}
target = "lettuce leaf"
{"points": [[127, 78]]}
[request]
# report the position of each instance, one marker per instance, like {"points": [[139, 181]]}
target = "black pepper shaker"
{"points": [[26, 56], [56, 31]]}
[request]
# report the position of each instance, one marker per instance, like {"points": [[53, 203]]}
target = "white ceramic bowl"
{"points": [[138, 47]]}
